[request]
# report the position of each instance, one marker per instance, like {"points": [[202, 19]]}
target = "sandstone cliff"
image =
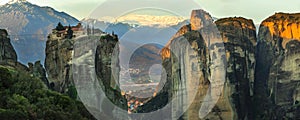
{"points": [[238, 42], [196, 65], [277, 72], [165, 52], [199, 19]]}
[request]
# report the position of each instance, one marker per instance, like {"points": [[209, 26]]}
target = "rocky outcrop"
{"points": [[164, 96], [183, 77], [96, 71], [165, 52], [238, 42], [200, 19], [8, 56], [193, 69], [189, 76], [57, 63], [37, 70], [239, 37], [107, 62], [7, 52], [68, 60], [104, 59], [277, 78]]}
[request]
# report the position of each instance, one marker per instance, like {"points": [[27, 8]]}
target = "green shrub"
{"points": [[72, 92], [12, 115], [25, 97], [5, 78]]}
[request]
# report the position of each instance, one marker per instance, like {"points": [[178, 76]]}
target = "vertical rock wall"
{"points": [[7, 52], [58, 63], [237, 47], [277, 78]]}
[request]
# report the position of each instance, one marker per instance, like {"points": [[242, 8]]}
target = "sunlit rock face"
{"points": [[277, 79], [200, 19], [165, 52], [285, 26]]}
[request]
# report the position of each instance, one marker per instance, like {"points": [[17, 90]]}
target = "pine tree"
{"points": [[60, 27]]}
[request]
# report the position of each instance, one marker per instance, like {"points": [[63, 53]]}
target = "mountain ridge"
{"points": [[28, 25]]}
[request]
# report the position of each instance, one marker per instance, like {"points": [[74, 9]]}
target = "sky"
{"points": [[251, 9]]}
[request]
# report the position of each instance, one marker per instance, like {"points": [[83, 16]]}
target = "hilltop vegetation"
{"points": [[26, 97]]}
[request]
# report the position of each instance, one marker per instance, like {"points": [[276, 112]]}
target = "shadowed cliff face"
{"points": [[107, 59], [239, 39], [58, 63], [277, 72], [8, 56], [68, 56], [7, 52], [37, 70]]}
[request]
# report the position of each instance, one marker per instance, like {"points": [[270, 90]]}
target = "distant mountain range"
{"points": [[134, 31], [29, 25], [161, 21]]}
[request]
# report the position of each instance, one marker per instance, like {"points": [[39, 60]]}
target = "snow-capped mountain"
{"points": [[28, 26], [118, 28], [127, 31], [151, 20]]}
